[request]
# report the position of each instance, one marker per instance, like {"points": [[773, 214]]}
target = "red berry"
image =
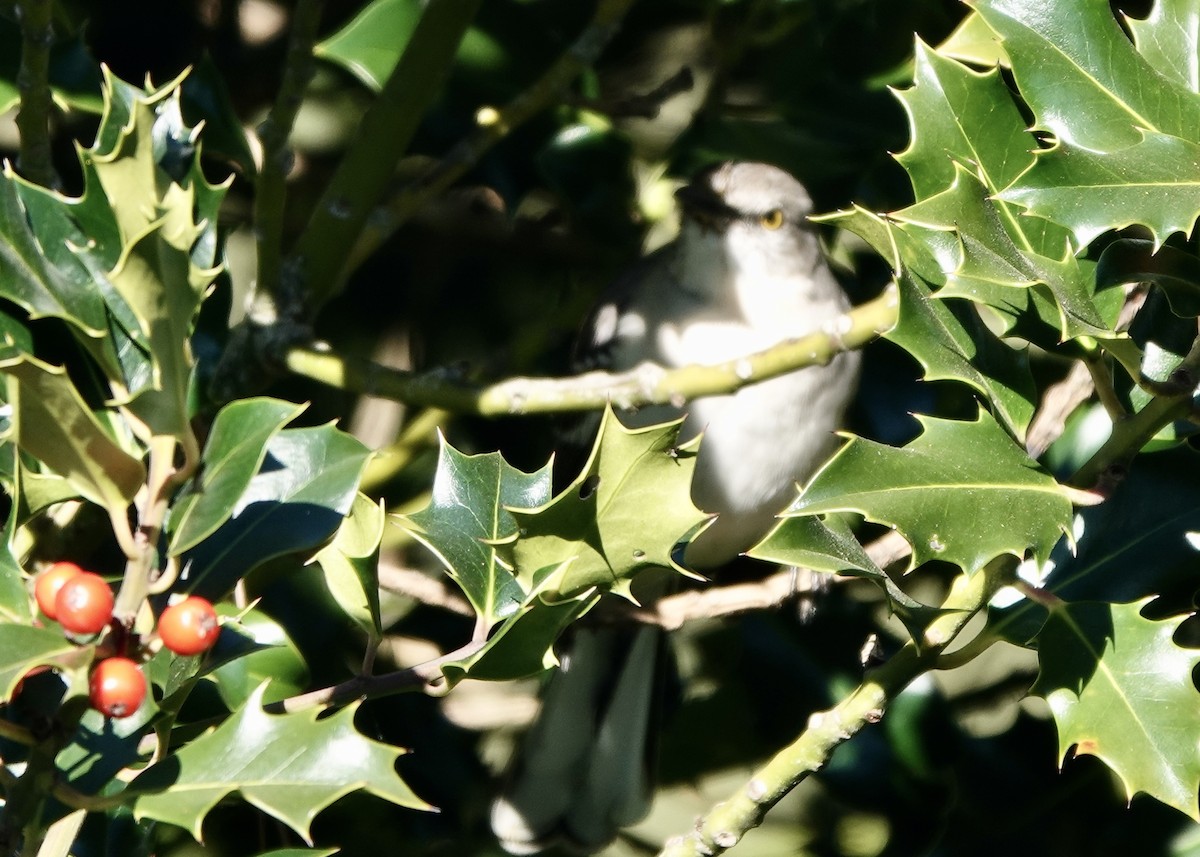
{"points": [[47, 584], [117, 687], [84, 604], [189, 627]]}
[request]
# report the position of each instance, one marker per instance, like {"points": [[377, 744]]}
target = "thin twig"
{"points": [[643, 385]]}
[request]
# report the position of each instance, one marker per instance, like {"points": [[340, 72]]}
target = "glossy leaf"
{"points": [[1154, 182], [232, 455], [239, 672], [1121, 690], [1136, 260], [291, 766], [351, 565], [468, 525], [1169, 39], [1083, 78], [23, 647], [305, 487], [600, 530], [952, 343], [938, 489], [53, 424]]}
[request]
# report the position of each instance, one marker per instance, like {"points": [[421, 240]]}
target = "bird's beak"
{"points": [[704, 205]]}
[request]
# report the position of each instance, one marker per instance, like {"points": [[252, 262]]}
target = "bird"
{"points": [[745, 272]]}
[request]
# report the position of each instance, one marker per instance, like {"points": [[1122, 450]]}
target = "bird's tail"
{"points": [[585, 768]]}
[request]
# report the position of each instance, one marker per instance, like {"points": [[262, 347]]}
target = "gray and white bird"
{"points": [[746, 272]]}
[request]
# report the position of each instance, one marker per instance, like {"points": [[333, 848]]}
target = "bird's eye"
{"points": [[773, 219]]}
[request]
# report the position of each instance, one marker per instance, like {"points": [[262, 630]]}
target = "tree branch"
{"points": [[728, 822], [644, 385], [33, 80]]}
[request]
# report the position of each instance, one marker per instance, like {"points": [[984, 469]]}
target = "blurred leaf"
{"points": [[206, 98], [54, 425], [937, 490], [305, 487], [300, 852], [291, 766], [626, 511], [952, 343], [351, 565], [1136, 260], [23, 647], [1121, 690], [238, 672], [468, 525], [232, 455], [1085, 82], [960, 116]]}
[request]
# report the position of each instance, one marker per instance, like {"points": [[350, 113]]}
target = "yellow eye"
{"points": [[773, 219]]}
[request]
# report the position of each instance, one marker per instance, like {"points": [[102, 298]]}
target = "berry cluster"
{"points": [[82, 603]]}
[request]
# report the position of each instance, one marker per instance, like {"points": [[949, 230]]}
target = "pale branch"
{"points": [[34, 161], [725, 825], [492, 126], [646, 384], [421, 587], [1059, 402], [383, 137], [277, 156]]}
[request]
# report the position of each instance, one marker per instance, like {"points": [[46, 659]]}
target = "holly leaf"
{"points": [[23, 647], [626, 511], [290, 766], [1086, 83], [1136, 260], [1121, 690], [232, 455], [54, 425], [305, 487], [351, 565], [1169, 39], [1152, 182], [964, 117], [938, 489], [469, 526], [950, 340]]}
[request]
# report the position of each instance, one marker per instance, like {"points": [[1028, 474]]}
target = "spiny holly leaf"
{"points": [[996, 249], [1169, 39], [975, 42], [305, 487], [1153, 182], [952, 343], [1085, 81], [351, 565], [939, 489], [626, 511], [54, 425], [291, 766], [467, 525], [522, 645], [23, 647], [1121, 690], [239, 674], [232, 455], [961, 116]]}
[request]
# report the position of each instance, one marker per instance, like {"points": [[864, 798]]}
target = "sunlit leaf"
{"points": [[351, 565]]}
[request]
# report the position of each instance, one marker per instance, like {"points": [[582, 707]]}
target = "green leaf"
{"points": [[291, 766], [626, 511], [468, 525], [300, 852], [1136, 260], [937, 490], [975, 42], [996, 248], [15, 604], [1085, 81], [23, 647], [55, 426], [1155, 182], [232, 455], [351, 565], [238, 675], [1121, 690], [961, 116], [952, 343], [1169, 39], [810, 542], [73, 72], [305, 487]]}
